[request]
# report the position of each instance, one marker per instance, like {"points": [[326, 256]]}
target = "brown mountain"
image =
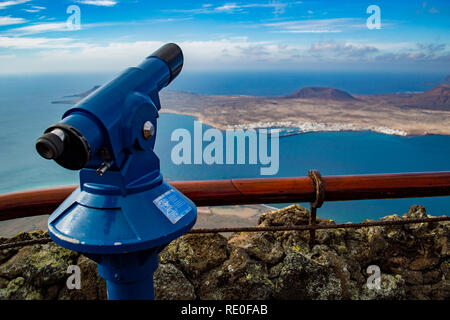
{"points": [[437, 98], [321, 93]]}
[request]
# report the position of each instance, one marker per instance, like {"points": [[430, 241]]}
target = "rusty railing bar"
{"points": [[260, 190]]}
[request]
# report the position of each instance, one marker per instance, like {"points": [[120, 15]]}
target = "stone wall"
{"points": [[413, 259]]}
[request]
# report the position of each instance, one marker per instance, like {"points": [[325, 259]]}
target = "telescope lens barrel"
{"points": [[51, 144], [173, 56]]}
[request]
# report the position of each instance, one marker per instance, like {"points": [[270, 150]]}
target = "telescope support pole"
{"points": [[128, 280], [140, 290]]}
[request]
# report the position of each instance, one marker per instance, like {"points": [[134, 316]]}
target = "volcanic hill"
{"points": [[436, 99], [321, 93]]}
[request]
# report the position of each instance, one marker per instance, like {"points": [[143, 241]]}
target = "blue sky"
{"points": [[225, 35]]}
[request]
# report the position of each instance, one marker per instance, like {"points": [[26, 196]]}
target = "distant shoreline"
{"points": [[288, 128]]}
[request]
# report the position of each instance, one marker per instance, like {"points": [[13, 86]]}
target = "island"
{"points": [[321, 109], [314, 109]]}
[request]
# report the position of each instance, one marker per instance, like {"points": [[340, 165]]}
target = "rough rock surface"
{"points": [[413, 261]]}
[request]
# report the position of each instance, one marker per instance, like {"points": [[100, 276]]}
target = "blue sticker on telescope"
{"points": [[172, 205]]}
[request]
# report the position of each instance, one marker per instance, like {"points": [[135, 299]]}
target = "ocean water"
{"points": [[25, 111], [273, 83]]}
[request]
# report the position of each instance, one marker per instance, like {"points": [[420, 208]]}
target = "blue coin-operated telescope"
{"points": [[123, 214]]}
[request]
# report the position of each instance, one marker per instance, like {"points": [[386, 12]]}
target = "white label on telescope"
{"points": [[172, 205]]}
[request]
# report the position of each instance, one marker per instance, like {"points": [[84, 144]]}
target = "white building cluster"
{"points": [[290, 127]]}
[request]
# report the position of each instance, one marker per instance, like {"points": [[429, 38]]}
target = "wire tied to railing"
{"points": [[316, 178], [47, 239]]}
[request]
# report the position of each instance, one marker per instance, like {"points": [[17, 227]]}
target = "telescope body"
{"points": [[123, 213]]}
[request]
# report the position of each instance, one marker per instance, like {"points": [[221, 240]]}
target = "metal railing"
{"points": [[314, 189]]}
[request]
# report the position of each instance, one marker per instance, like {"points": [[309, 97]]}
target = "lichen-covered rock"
{"points": [[292, 215], [195, 254], [263, 246], [39, 264], [303, 278], [171, 284], [413, 261], [92, 286], [19, 289], [5, 254], [240, 277], [391, 288]]}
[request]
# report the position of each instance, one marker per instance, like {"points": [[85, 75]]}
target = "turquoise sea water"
{"points": [[25, 111]]}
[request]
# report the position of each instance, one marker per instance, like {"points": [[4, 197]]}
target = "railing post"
{"points": [[316, 178]]}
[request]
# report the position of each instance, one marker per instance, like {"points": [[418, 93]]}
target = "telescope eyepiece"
{"points": [[173, 56], [66, 145], [51, 144]]}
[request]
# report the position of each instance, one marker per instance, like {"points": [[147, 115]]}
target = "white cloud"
{"points": [[5, 4], [170, 20], [68, 55], [341, 50], [7, 56], [39, 43], [6, 21], [317, 25], [49, 27], [41, 28], [311, 31], [278, 7], [433, 10], [34, 9], [228, 7], [100, 3], [72, 55]]}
